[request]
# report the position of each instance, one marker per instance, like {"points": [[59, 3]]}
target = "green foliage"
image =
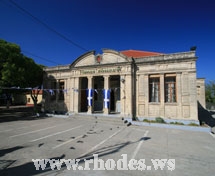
{"points": [[17, 69], [193, 124], [210, 92], [159, 120], [146, 120], [176, 123]]}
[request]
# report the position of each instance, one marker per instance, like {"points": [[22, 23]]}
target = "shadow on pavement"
{"points": [[9, 150], [18, 113], [205, 116], [29, 168]]}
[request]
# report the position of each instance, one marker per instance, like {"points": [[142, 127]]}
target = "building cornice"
{"points": [[57, 68], [168, 57]]}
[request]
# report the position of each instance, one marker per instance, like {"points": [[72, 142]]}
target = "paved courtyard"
{"points": [[80, 137]]}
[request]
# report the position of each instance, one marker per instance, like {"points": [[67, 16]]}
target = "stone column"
{"points": [[57, 90], [193, 96], [90, 86], [71, 93], [122, 94], [162, 96], [65, 104], [76, 94], [179, 94], [146, 92], [106, 86], [67, 83], [128, 94]]}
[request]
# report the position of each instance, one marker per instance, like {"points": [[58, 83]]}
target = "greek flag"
{"points": [[51, 91], [106, 94], [90, 96], [65, 91]]}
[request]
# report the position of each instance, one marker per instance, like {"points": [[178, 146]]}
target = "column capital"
{"points": [[106, 76]]}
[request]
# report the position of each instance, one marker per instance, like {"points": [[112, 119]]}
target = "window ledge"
{"points": [[154, 103], [171, 103]]}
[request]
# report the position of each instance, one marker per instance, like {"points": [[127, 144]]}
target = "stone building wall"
{"points": [[201, 91], [179, 67]]}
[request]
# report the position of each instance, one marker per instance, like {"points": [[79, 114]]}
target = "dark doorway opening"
{"points": [[115, 94], [83, 81], [98, 84]]}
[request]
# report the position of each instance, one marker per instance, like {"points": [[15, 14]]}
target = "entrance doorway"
{"points": [[83, 81], [115, 94], [98, 84]]}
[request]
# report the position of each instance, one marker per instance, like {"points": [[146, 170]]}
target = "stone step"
{"points": [[115, 118]]}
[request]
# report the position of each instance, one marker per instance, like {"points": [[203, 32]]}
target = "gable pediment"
{"points": [[91, 59]]}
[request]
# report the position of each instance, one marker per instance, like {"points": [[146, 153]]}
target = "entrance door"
{"points": [[83, 94], [115, 94]]}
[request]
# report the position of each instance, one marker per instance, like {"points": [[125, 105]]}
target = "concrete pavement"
{"points": [[81, 137]]}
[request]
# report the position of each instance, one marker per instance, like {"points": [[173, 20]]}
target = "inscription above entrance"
{"points": [[102, 70]]}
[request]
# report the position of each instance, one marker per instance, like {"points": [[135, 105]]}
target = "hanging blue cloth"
{"points": [[90, 96], [106, 93]]}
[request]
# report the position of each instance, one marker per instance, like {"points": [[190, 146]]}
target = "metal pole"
{"points": [[133, 87]]}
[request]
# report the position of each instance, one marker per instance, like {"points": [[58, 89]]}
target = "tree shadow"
{"points": [[109, 149], [9, 150], [6, 163], [105, 151], [19, 113], [212, 112], [205, 116], [29, 168]]}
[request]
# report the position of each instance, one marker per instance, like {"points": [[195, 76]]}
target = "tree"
{"points": [[17, 70], [210, 92]]}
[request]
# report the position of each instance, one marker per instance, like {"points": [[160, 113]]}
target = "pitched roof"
{"points": [[139, 54]]}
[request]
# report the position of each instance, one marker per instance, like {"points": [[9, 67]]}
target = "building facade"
{"points": [[29, 101], [128, 83]]}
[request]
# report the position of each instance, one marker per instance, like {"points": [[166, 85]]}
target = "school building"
{"points": [[128, 83]]}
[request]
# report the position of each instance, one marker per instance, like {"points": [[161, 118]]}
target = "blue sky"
{"points": [[165, 26]]}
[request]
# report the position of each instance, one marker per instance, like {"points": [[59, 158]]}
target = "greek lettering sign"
{"points": [[102, 70]]}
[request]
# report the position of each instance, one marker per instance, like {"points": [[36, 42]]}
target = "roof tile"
{"points": [[139, 54]]}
